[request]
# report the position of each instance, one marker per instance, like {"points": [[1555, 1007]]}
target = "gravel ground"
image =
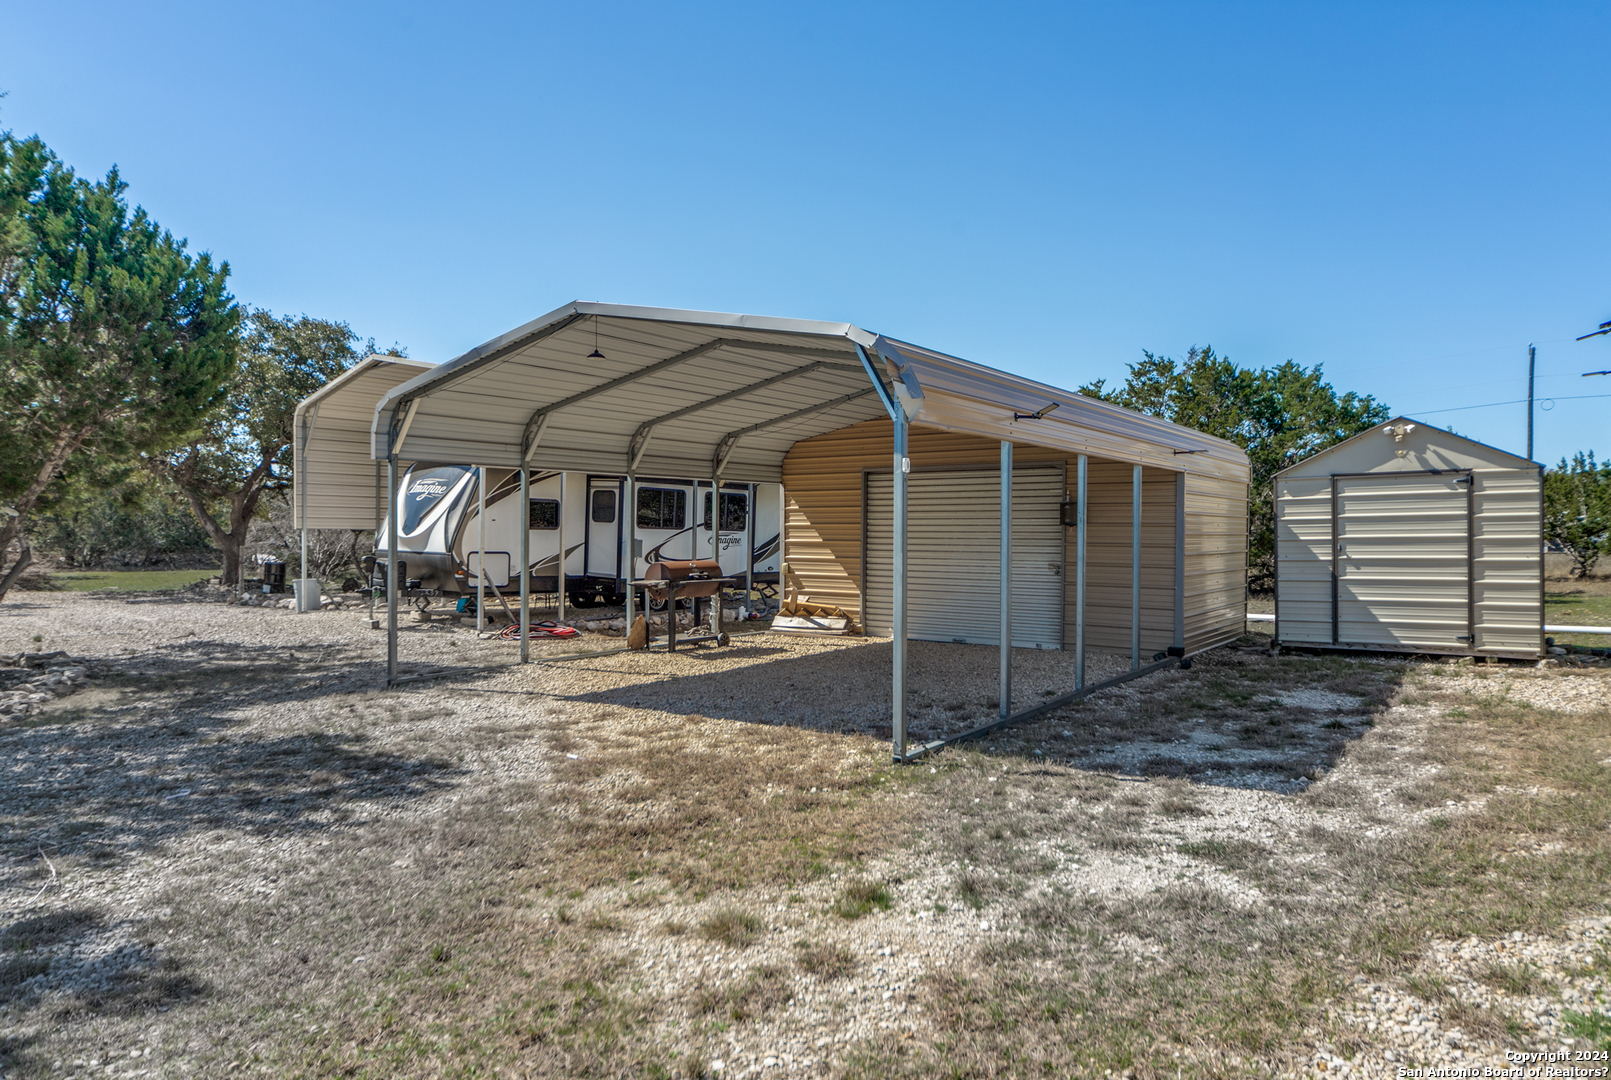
{"points": [[136, 755], [1565, 972]]}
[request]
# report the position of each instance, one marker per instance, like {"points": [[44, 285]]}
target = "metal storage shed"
{"points": [[1411, 538], [660, 392]]}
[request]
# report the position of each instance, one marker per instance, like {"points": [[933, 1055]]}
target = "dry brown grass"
{"points": [[831, 961], [761, 990], [706, 804], [731, 926], [1088, 984]]}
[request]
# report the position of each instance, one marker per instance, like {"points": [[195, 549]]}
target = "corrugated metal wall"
{"points": [[1509, 572], [822, 481], [823, 485], [1107, 559], [1303, 558], [954, 551], [1216, 560], [1423, 559]]}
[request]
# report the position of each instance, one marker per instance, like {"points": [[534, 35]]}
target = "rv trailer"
{"points": [[444, 545]]}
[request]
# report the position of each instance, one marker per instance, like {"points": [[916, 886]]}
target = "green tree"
{"points": [[1279, 415], [244, 446], [113, 338], [1577, 510], [117, 515]]}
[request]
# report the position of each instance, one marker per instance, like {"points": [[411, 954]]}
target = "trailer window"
{"points": [[543, 514], [662, 508], [423, 489], [603, 505], [735, 511]]}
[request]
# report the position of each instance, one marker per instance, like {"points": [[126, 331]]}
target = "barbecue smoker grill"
{"points": [[694, 579]]}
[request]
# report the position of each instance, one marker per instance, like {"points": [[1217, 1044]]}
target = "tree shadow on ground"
{"points": [[157, 754]]}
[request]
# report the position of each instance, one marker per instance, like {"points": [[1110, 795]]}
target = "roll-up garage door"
{"points": [[953, 545]]}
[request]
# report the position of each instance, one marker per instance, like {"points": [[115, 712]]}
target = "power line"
{"points": [[1496, 404]]}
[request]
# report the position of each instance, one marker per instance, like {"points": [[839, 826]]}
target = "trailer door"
{"points": [[603, 528], [735, 524]]}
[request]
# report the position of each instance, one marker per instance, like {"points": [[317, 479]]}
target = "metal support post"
{"points": [[903, 466], [749, 549], [783, 551], [391, 570], [715, 550], [1079, 572], [481, 543], [560, 580], [629, 539], [1135, 568], [523, 523], [1004, 696], [302, 498], [1180, 562]]}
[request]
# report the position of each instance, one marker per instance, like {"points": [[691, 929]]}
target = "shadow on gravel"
{"points": [[87, 966], [97, 794], [1237, 718], [150, 753]]}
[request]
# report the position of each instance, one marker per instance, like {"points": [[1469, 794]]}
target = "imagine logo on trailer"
{"points": [[431, 488]]}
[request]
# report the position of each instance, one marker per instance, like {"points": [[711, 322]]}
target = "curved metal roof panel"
{"points": [[612, 388]]}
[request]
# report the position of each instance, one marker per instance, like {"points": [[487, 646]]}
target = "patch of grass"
{"points": [[831, 961], [1178, 807], [1593, 1028], [763, 989], [862, 898], [732, 926], [716, 822], [125, 580], [1579, 603], [1516, 979], [1228, 854]]}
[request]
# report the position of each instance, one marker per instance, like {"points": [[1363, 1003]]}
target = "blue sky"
{"points": [[1405, 193]]}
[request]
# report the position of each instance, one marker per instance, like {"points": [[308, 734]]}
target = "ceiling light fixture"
{"points": [[595, 354]]}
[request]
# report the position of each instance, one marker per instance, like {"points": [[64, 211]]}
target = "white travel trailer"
{"points": [[443, 543]]}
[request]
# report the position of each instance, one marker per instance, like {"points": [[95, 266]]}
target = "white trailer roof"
{"points": [[690, 393], [334, 478]]}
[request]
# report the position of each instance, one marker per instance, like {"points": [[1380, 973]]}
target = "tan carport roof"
{"points": [[693, 393], [336, 484]]}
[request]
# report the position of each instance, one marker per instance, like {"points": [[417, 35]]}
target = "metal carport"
{"points": [[652, 391], [336, 483]]}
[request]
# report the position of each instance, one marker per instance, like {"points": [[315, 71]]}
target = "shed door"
{"points": [[953, 538], [1403, 560]]}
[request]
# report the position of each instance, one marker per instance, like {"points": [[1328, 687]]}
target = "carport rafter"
{"points": [[640, 438], [539, 419], [724, 448]]}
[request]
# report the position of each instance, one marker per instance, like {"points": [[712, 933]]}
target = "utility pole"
{"points": [[1531, 353]]}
